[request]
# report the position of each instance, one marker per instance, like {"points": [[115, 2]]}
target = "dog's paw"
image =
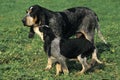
{"points": [[79, 73], [48, 68]]}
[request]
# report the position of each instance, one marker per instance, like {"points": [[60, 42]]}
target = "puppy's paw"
{"points": [[48, 68]]}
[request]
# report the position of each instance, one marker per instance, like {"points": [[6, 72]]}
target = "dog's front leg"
{"points": [[51, 60], [55, 51], [49, 64], [61, 65], [64, 66]]}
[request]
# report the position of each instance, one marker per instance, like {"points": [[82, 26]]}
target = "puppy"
{"points": [[78, 48]]}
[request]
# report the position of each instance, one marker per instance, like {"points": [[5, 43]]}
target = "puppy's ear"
{"points": [[31, 33]]}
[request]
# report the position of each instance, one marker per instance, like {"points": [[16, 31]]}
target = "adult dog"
{"points": [[74, 21], [79, 48]]}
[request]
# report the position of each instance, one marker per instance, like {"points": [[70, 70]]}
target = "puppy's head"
{"points": [[32, 16], [45, 29], [47, 32]]}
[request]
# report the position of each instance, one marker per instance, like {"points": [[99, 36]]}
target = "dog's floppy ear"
{"points": [[31, 33]]}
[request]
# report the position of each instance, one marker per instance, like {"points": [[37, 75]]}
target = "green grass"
{"points": [[24, 58]]}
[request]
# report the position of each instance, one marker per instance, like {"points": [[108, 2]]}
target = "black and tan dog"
{"points": [[73, 21], [78, 48], [64, 24]]}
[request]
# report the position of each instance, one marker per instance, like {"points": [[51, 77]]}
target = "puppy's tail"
{"points": [[100, 34]]}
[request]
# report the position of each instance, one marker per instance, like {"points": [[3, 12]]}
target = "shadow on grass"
{"points": [[97, 68], [103, 47], [75, 67]]}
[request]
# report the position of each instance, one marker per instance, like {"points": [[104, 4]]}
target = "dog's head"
{"points": [[33, 16]]}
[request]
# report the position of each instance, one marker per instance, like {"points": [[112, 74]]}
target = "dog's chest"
{"points": [[55, 47]]}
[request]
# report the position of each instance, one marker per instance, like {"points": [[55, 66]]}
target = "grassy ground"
{"points": [[22, 58]]}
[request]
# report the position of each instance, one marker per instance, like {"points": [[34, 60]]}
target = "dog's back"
{"points": [[71, 48]]}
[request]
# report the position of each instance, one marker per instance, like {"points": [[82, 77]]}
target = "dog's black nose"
{"points": [[23, 21]]}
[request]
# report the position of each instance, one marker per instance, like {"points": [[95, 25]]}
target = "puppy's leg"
{"points": [[49, 64], [51, 60], [58, 69], [94, 58], [62, 62], [85, 65]]}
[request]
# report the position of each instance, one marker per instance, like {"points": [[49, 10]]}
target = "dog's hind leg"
{"points": [[94, 58], [85, 65]]}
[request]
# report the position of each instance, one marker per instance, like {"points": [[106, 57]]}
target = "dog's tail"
{"points": [[99, 32]]}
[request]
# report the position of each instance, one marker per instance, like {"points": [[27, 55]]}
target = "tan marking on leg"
{"points": [[65, 70], [58, 69], [84, 63], [49, 64], [64, 67], [51, 60]]}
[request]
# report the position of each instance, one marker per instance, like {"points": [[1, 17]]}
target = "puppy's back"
{"points": [[73, 47]]}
